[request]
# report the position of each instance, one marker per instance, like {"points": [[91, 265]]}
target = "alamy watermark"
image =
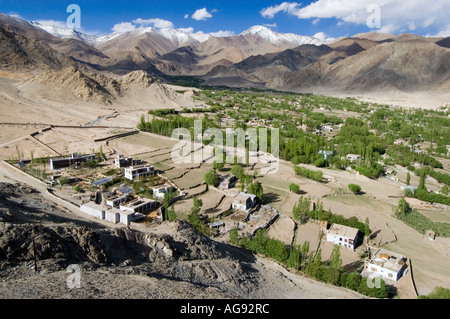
{"points": [[74, 20], [374, 20], [235, 145], [74, 279], [373, 281]]}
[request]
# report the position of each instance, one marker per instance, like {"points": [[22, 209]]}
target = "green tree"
{"points": [[367, 227], [295, 257], [408, 179], [256, 189], [171, 214], [423, 177], [356, 189], [211, 178], [305, 251], [102, 155], [194, 217], [295, 188], [353, 281], [314, 268], [444, 190], [238, 171], [301, 209], [403, 208], [335, 259], [218, 166], [234, 236]]}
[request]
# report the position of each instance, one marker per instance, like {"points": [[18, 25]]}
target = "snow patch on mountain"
{"points": [[276, 38]]}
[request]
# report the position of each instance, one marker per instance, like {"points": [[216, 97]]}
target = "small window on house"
{"points": [[390, 275], [346, 240], [340, 239]]}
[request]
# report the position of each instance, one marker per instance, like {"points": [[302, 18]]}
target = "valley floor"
{"points": [[22, 115]]}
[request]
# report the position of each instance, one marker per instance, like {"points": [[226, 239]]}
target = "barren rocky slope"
{"points": [[412, 65], [169, 261]]}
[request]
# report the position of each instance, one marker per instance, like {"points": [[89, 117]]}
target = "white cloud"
{"points": [[286, 7], [124, 27], [273, 25], [411, 25], [221, 33], [428, 22], [201, 15], [396, 15], [186, 30], [388, 28], [444, 32], [316, 21], [157, 23], [186, 16], [323, 37]]}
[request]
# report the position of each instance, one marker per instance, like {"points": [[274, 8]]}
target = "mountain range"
{"points": [[258, 57]]}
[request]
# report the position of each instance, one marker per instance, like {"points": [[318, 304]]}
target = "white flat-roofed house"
{"points": [[353, 157], [386, 264], [115, 201], [113, 215], [343, 235], [162, 191], [127, 217], [244, 202], [93, 210], [140, 205], [326, 154], [122, 161], [135, 210], [227, 182], [74, 159], [135, 172]]}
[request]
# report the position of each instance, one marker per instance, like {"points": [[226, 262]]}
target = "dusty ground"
{"points": [[127, 263], [423, 100]]}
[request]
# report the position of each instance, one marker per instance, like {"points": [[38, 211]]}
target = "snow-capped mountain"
{"points": [[181, 37], [290, 39], [66, 33]]}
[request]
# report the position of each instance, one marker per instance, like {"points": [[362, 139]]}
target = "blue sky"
{"points": [[332, 18]]}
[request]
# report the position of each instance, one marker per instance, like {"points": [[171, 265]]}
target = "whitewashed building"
{"points": [[115, 201], [140, 205], [244, 202], [353, 157], [93, 210], [162, 191], [113, 215], [386, 264], [135, 172], [343, 235]]}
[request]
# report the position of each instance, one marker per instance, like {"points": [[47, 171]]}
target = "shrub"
{"points": [[320, 163], [315, 175], [294, 188], [356, 189], [234, 237], [437, 293], [211, 178]]}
